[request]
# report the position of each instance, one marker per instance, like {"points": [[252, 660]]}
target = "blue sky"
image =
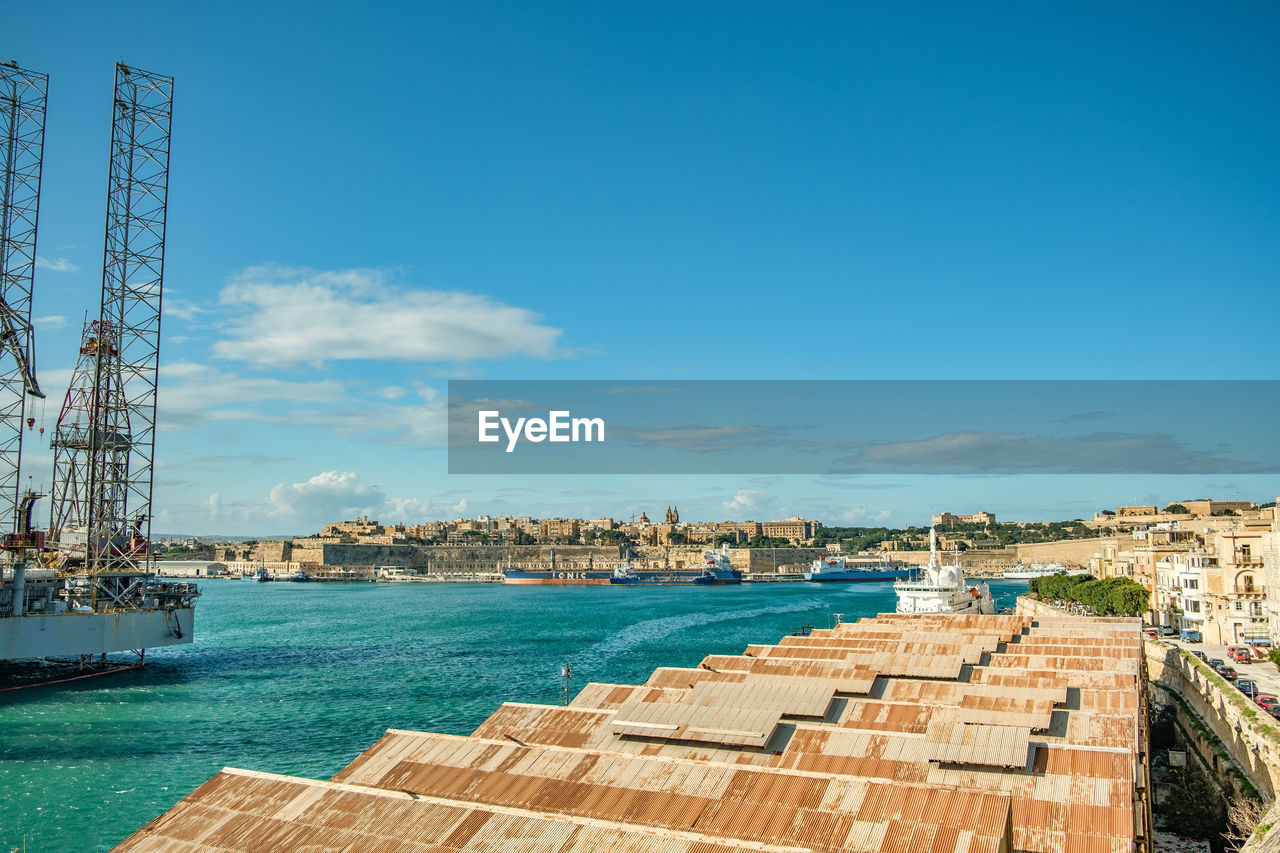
{"points": [[366, 202]]}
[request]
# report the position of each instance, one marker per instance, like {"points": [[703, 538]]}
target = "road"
{"points": [[1263, 672]]}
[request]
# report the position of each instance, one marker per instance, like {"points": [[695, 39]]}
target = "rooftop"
{"points": [[926, 733]]}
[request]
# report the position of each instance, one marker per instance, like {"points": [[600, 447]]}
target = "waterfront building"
{"points": [[947, 519], [799, 531], [1271, 575], [932, 732], [1236, 588]]}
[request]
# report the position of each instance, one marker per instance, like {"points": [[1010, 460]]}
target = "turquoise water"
{"points": [[300, 678]]}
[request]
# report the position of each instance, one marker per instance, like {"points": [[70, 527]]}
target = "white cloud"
{"points": [[305, 507], [862, 514], [747, 501], [52, 321], [56, 265], [182, 309], [331, 495], [289, 316], [192, 393], [420, 422]]}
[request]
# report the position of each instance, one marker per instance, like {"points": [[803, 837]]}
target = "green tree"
{"points": [[1177, 509], [1131, 599], [1193, 808], [615, 537]]}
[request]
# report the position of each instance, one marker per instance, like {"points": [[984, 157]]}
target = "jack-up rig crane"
{"points": [[99, 547], [23, 95]]}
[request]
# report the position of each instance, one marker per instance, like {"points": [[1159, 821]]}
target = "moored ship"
{"points": [[45, 613], [1040, 570], [716, 569], [558, 575], [942, 589], [839, 569]]}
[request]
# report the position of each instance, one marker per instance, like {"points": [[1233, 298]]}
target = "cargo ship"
{"points": [[838, 569], [716, 569]]}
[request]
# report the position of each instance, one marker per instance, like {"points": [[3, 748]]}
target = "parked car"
{"points": [[1267, 700], [1150, 632], [1200, 655], [1240, 654], [1217, 663], [1247, 687], [1190, 635], [1166, 631], [1227, 672]]}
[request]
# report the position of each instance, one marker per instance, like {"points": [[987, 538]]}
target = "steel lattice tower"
{"points": [[104, 445], [22, 105]]}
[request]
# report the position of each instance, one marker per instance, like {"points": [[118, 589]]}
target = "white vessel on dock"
{"points": [[1040, 570], [942, 589], [43, 615]]}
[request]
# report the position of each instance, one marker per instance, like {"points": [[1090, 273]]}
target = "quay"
{"points": [[931, 733]]}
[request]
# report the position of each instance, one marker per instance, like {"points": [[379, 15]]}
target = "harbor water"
{"points": [[300, 678]]}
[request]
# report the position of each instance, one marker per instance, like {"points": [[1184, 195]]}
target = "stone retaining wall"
{"points": [[1250, 735]]}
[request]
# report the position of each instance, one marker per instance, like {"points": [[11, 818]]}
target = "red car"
{"points": [[1267, 700], [1240, 654]]}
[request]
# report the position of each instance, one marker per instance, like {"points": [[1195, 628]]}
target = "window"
{"points": [[1193, 607], [1239, 605]]}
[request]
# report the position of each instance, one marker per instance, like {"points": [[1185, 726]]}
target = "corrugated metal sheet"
{"points": [[974, 743], [724, 724], [240, 810], [859, 717]]}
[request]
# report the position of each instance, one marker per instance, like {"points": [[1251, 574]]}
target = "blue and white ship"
{"points": [[716, 569], [838, 569]]}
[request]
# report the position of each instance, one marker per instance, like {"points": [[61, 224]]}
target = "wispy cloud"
{"points": [[978, 452], [191, 394], [182, 309], [50, 321], [56, 264], [696, 438], [289, 316]]}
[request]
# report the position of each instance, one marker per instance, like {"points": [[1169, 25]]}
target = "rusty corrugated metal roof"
{"points": [[872, 729]]}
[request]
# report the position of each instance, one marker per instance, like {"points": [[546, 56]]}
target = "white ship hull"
{"points": [[71, 634], [1033, 572]]}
